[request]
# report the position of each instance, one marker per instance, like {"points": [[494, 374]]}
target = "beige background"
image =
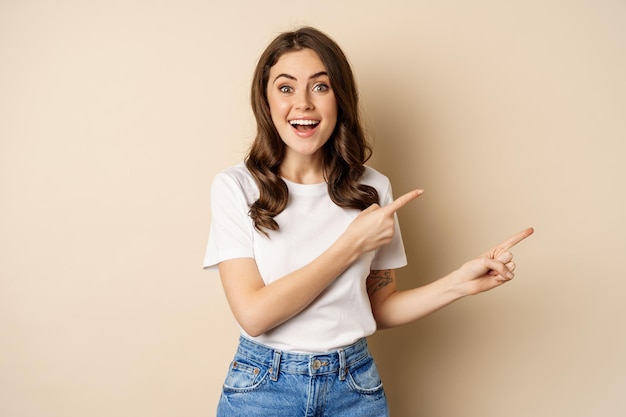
{"points": [[115, 116]]}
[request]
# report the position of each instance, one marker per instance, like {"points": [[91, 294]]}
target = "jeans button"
{"points": [[317, 364]]}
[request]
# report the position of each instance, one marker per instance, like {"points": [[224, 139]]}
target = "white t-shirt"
{"points": [[310, 224]]}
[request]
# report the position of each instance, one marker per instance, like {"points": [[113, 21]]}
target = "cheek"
{"points": [[333, 116], [278, 109], [272, 102], [332, 109]]}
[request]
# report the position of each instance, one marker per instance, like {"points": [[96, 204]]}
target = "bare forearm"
{"points": [[260, 309], [393, 308], [403, 307]]}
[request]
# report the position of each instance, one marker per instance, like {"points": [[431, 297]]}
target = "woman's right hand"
{"points": [[374, 226]]}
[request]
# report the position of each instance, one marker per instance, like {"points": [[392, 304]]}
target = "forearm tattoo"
{"points": [[377, 280]]}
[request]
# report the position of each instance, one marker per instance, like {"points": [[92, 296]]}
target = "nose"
{"points": [[303, 100]]}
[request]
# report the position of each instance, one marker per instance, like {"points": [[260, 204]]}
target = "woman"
{"points": [[306, 241]]}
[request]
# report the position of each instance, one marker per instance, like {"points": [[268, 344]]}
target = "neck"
{"points": [[303, 171]]}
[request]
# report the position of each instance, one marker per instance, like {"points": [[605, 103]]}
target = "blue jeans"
{"points": [[264, 382]]}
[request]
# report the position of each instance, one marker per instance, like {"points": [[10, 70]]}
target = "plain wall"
{"points": [[115, 116]]}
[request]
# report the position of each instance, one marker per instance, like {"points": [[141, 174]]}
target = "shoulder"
{"points": [[375, 179], [237, 179]]}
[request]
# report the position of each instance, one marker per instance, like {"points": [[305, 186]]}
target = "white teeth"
{"points": [[303, 122]]}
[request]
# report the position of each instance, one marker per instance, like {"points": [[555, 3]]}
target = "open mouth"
{"points": [[304, 125]]}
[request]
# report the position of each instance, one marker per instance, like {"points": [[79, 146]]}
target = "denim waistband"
{"points": [[336, 361]]}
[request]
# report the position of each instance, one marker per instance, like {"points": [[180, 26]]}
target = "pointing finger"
{"points": [[402, 201], [515, 239]]}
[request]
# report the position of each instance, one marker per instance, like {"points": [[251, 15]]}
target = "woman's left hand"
{"points": [[490, 270]]}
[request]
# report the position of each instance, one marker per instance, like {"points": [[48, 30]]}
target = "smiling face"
{"points": [[302, 105]]}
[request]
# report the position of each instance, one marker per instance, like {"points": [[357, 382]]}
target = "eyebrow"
{"points": [[291, 77]]}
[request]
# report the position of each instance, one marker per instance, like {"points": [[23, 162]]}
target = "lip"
{"points": [[312, 119], [306, 133]]}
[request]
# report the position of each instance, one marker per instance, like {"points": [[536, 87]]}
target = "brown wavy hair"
{"points": [[345, 152]]}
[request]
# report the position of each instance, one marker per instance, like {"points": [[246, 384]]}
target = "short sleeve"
{"points": [[392, 255], [231, 231]]}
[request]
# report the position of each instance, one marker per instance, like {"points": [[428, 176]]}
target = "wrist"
{"points": [[454, 285], [348, 248]]}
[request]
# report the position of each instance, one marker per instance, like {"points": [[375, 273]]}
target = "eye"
{"points": [[320, 88], [285, 89]]}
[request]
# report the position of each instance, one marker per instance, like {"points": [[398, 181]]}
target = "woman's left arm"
{"points": [[393, 308]]}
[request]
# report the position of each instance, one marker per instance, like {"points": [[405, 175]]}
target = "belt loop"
{"points": [[275, 366], [342, 364]]}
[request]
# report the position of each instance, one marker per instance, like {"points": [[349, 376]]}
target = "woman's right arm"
{"points": [[258, 307]]}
